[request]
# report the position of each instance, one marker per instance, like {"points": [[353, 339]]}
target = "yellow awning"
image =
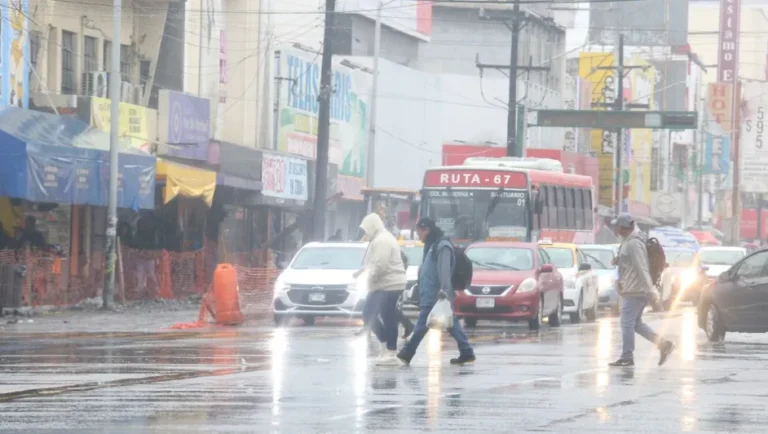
{"points": [[187, 181]]}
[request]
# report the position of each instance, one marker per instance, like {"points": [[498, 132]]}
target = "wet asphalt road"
{"points": [[319, 379]]}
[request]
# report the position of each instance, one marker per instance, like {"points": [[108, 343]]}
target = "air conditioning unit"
{"points": [[96, 83]]}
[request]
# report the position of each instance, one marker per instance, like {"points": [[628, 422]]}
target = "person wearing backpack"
{"points": [[636, 289], [436, 276]]}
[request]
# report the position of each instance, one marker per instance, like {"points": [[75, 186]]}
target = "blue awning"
{"points": [[49, 158]]}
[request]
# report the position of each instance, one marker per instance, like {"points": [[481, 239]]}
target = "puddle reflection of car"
{"points": [[319, 282], [580, 290], [601, 257], [414, 253], [736, 301], [511, 282]]}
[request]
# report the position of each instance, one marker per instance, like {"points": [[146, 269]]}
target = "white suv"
{"points": [[318, 282]]}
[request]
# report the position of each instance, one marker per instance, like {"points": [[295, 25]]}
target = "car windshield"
{"points": [[479, 214], [721, 257], [679, 258], [414, 254], [602, 257], [561, 257], [500, 258], [329, 258]]}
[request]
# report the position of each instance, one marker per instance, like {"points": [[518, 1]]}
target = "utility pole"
{"points": [[514, 146], [108, 295], [619, 132], [513, 150], [323, 127], [700, 163], [200, 55], [374, 92]]}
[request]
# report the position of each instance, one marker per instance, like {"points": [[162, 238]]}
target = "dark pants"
{"points": [[421, 329], [383, 316], [370, 310]]}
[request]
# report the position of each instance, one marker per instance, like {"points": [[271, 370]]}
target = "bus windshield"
{"points": [[479, 214]]}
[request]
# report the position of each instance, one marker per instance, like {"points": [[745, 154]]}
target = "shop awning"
{"points": [[60, 159], [186, 181]]}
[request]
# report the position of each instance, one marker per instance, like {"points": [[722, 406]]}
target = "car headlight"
{"points": [[528, 285], [688, 278], [604, 282], [279, 289]]}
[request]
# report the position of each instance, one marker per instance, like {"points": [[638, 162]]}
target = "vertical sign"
{"points": [[753, 145], [717, 126], [728, 51]]}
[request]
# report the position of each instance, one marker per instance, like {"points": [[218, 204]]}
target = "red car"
{"points": [[511, 282]]}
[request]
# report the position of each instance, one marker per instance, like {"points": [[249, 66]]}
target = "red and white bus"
{"points": [[524, 199]]}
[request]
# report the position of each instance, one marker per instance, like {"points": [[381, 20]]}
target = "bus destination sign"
{"points": [[476, 178]]}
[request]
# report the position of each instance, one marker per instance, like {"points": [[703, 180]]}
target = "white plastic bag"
{"points": [[441, 316]]}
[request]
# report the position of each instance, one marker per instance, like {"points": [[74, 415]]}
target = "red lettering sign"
{"points": [[475, 178], [728, 50]]}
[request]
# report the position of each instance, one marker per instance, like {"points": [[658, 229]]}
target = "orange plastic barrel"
{"points": [[226, 295]]}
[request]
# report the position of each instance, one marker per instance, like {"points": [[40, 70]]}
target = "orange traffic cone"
{"points": [[226, 295]]}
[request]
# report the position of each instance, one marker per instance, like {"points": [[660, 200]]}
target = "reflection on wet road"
{"points": [[321, 379]]}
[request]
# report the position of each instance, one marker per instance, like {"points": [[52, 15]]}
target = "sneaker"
{"points": [[388, 358], [405, 358], [666, 349], [361, 331], [622, 362], [463, 360]]}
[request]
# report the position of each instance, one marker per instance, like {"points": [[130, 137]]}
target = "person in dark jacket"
{"points": [[435, 283]]}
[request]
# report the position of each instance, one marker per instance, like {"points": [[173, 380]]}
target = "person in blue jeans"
{"points": [[435, 283], [635, 287]]}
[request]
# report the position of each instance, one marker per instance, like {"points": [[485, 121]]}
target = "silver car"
{"points": [[601, 257]]}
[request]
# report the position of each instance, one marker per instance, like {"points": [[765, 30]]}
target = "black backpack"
{"points": [[461, 278], [657, 260]]}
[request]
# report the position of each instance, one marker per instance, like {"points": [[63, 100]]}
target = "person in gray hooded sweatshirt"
{"points": [[636, 290]]}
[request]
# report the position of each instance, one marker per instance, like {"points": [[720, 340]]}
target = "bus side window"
{"points": [[579, 206], [588, 209], [551, 208], [562, 221], [570, 212]]}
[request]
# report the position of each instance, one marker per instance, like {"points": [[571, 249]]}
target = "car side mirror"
{"points": [[585, 267], [724, 277], [546, 268]]}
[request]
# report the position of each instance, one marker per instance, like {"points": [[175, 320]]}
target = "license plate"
{"points": [[317, 297], [485, 303]]}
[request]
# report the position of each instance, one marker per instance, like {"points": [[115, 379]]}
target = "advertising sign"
{"points": [[412, 17], [14, 53], [133, 122], [183, 118], [603, 142], [717, 126], [753, 150], [297, 117], [284, 177], [643, 22], [728, 53]]}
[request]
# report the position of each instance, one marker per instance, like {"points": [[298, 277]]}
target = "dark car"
{"points": [[738, 299], [511, 282]]}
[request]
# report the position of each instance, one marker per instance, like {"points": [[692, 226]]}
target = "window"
{"points": [[562, 221], [68, 81], [551, 207], [90, 54], [590, 214], [544, 206], [570, 211], [125, 62], [107, 55], [655, 178], [754, 266], [579, 206], [543, 258]]}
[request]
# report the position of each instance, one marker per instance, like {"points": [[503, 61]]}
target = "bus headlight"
{"points": [[528, 285]]}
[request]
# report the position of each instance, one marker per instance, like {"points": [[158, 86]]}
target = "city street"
{"points": [[298, 379]]}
